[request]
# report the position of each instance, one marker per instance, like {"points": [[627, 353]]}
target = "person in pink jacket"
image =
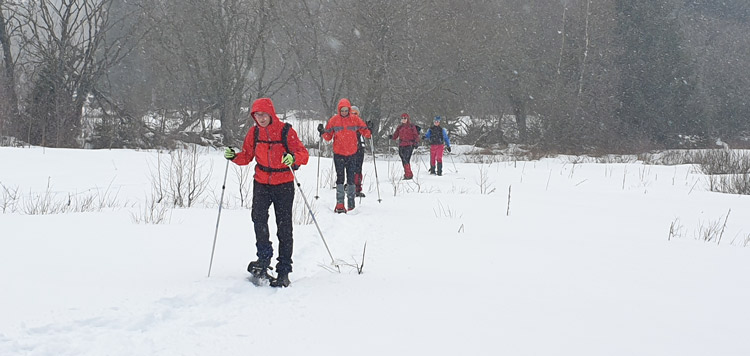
{"points": [[407, 135]]}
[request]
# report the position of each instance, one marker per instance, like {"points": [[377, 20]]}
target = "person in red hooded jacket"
{"points": [[342, 128], [275, 156], [408, 136]]}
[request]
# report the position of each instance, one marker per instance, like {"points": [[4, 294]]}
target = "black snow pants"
{"points": [[282, 198]]}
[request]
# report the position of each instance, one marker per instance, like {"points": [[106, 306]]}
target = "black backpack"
{"points": [[436, 135]]}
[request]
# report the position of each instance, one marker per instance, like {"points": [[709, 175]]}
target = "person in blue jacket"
{"points": [[438, 138]]}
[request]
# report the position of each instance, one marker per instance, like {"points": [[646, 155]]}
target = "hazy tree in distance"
{"points": [[657, 83], [715, 33]]}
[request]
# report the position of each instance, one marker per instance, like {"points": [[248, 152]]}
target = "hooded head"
{"points": [[264, 105], [405, 116], [344, 103], [437, 119], [355, 110]]}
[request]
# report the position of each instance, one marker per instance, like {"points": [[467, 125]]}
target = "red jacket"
{"points": [[407, 133], [269, 149], [343, 131]]}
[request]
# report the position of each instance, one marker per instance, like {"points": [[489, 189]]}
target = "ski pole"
{"points": [[377, 183], [309, 209], [333, 168], [317, 185], [422, 161], [218, 218], [452, 161], [388, 154]]}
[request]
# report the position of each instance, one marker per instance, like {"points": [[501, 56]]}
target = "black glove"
{"points": [[369, 124], [321, 129], [448, 148]]}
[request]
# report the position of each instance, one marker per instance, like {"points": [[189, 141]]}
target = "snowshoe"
{"points": [[340, 208], [259, 273]]}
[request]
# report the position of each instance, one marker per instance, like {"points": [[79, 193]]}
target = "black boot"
{"points": [[432, 170], [282, 280], [440, 168]]}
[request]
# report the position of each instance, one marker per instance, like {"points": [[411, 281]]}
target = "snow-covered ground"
{"points": [[510, 258]]}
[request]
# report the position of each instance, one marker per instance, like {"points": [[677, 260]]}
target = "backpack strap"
{"points": [[283, 141], [284, 134]]}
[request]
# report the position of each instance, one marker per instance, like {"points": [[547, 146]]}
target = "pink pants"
{"points": [[436, 154]]}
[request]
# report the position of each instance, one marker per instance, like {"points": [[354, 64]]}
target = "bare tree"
{"points": [[66, 45], [321, 49], [9, 106], [216, 54]]}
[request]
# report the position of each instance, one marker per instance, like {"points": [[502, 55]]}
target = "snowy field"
{"points": [[509, 258]]}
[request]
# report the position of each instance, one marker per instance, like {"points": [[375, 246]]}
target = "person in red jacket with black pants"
{"points": [[342, 128], [273, 183], [408, 136]]}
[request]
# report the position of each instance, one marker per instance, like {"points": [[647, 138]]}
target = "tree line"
{"points": [[574, 76]]}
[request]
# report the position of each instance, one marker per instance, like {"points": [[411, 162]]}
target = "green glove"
{"points": [[288, 159], [229, 153]]}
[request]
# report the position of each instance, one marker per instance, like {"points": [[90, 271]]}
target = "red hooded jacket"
{"points": [[269, 149], [407, 134], [343, 131]]}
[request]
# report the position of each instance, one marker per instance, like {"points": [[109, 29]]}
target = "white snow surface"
{"points": [[538, 258]]}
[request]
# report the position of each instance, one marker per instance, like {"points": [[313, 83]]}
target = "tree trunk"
{"points": [[519, 111], [10, 75]]}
